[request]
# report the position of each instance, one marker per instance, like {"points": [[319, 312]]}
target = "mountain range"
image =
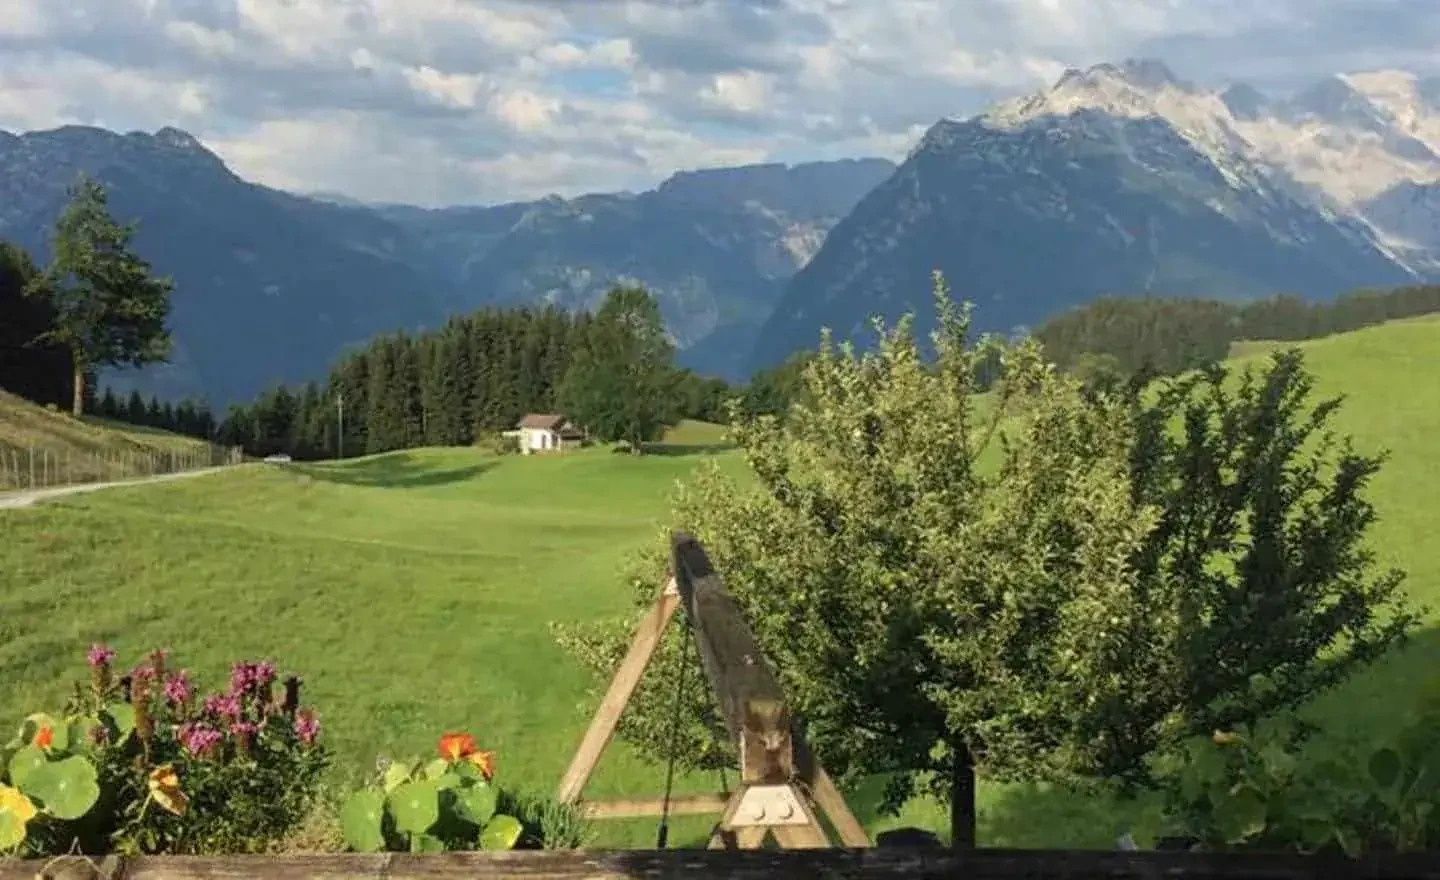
{"points": [[1125, 179], [270, 286], [1121, 178]]}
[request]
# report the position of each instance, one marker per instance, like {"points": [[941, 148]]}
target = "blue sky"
{"points": [[465, 101]]}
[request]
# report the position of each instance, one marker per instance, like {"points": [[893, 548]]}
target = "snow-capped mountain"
{"points": [[1125, 179], [1347, 141]]}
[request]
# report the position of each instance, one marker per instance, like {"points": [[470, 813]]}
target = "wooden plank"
{"points": [[827, 796], [750, 699], [686, 805], [837, 864], [602, 726]]}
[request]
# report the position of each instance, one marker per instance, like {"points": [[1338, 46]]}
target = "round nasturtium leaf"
{"points": [[12, 830], [1385, 767], [122, 719], [501, 832], [23, 763], [476, 803], [415, 806], [436, 768], [361, 820], [396, 775], [425, 843], [67, 788]]}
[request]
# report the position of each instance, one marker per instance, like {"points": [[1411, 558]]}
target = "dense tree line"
{"points": [[186, 417], [470, 379], [1168, 335]]}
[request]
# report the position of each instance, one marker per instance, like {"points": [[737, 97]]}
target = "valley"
{"points": [[451, 564]]}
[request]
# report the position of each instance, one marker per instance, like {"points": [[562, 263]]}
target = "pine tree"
{"points": [[109, 310]]}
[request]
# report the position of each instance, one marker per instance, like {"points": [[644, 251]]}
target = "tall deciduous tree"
{"points": [[1034, 583], [109, 309], [621, 383]]}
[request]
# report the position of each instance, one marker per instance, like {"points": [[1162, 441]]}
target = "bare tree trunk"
{"points": [[962, 797], [77, 401]]}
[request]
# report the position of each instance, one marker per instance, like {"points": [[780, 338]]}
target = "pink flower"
{"points": [[178, 690], [199, 739], [223, 705], [99, 655], [307, 726]]}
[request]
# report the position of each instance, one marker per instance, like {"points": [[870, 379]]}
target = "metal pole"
{"points": [[340, 438]]}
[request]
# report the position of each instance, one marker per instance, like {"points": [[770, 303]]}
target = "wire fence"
{"points": [[39, 467]]}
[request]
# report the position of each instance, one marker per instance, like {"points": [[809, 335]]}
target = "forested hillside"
{"points": [[1122, 335]]}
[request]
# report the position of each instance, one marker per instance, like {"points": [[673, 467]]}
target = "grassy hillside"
{"points": [[69, 450], [414, 590]]}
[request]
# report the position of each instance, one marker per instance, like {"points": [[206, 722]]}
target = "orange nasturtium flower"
{"points": [[44, 737], [454, 746], [485, 762], [14, 802], [165, 789]]}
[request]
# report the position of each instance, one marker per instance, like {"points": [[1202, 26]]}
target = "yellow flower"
{"points": [[17, 804], [165, 790]]}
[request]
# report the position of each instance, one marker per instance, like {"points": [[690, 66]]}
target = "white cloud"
{"points": [[486, 100]]}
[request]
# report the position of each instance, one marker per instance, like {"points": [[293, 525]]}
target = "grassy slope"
{"points": [[414, 589], [80, 449]]}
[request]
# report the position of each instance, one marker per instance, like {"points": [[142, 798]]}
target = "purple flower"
{"points": [[143, 672], [199, 739], [223, 705], [244, 728], [307, 726], [178, 689], [99, 655]]}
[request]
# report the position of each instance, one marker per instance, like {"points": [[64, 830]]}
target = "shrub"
{"points": [[143, 764], [448, 803], [1253, 790]]}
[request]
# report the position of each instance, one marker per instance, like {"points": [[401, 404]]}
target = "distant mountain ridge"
{"points": [[1123, 178], [272, 286]]}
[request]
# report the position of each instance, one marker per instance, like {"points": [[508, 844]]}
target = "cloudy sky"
{"points": [[464, 101]]}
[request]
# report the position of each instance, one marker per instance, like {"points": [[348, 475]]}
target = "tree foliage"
{"points": [[109, 310], [621, 384], [1170, 335], [1049, 583]]}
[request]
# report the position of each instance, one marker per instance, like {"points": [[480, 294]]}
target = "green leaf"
{"points": [[426, 843], [396, 775], [1385, 767], [1241, 815], [501, 832], [415, 806], [1350, 842], [12, 830], [1315, 833], [67, 788], [121, 717], [436, 768], [362, 820], [476, 803], [23, 763]]}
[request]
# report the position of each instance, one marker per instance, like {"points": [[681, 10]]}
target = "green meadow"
{"points": [[414, 591]]}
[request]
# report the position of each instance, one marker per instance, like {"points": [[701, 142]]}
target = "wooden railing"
{"points": [[833, 864]]}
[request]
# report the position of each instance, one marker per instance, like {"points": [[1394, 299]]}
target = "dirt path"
{"points": [[14, 500]]}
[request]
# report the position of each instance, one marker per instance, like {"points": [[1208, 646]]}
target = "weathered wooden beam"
{"points": [[836, 864], [750, 699], [602, 726], [635, 808]]}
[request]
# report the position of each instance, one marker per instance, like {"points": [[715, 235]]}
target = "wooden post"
{"points": [[602, 726], [778, 774]]}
